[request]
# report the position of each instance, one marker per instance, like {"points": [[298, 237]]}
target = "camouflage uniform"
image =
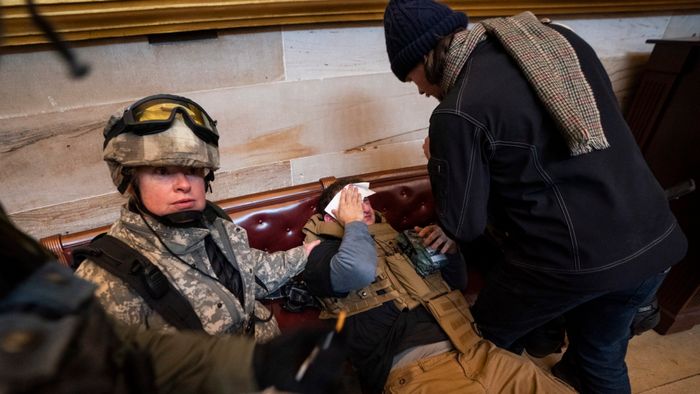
{"points": [[218, 309]]}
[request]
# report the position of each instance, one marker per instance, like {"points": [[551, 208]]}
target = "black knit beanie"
{"points": [[412, 28]]}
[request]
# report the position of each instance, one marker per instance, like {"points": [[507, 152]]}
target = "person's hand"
{"points": [[435, 238], [426, 147], [309, 246], [350, 206], [279, 362]]}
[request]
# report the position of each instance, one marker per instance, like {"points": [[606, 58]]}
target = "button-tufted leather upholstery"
{"points": [[274, 219], [404, 203]]}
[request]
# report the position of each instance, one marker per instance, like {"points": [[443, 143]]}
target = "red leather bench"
{"points": [[274, 219]]}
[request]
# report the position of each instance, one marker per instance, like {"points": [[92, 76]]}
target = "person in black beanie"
{"points": [[529, 137]]}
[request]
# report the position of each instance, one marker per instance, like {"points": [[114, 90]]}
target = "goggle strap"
{"points": [[116, 129], [205, 135], [126, 180]]}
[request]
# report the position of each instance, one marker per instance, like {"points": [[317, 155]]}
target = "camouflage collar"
{"points": [[178, 240]]}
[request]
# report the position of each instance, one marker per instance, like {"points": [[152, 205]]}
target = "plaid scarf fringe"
{"points": [[552, 68]]}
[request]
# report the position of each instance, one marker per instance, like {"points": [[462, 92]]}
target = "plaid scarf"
{"points": [[550, 65]]}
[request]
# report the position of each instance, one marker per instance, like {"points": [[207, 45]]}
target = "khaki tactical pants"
{"points": [[483, 369]]}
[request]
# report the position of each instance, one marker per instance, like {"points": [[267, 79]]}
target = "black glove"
{"points": [[277, 363]]}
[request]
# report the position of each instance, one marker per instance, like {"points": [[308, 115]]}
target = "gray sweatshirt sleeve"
{"points": [[355, 264]]}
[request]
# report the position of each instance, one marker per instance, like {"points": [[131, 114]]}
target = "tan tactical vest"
{"points": [[397, 281]]}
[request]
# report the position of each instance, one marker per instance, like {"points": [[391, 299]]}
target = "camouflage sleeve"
{"points": [[275, 269], [189, 362], [116, 298]]}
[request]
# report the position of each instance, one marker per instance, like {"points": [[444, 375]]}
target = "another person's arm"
{"points": [[336, 267], [355, 264], [459, 174], [271, 269], [455, 272], [191, 362]]}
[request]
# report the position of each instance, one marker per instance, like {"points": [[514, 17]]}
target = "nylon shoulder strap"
{"points": [[142, 276], [213, 211]]}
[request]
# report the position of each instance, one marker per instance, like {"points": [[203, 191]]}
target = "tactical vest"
{"points": [[397, 281], [148, 281]]}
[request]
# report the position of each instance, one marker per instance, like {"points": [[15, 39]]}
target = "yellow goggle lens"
{"points": [[162, 111]]}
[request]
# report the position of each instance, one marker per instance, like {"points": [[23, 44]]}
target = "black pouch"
{"points": [[424, 260]]}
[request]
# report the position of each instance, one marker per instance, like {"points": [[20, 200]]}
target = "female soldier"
{"points": [[163, 152]]}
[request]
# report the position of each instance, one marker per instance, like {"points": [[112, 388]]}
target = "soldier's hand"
{"points": [[435, 238], [279, 362], [350, 206]]}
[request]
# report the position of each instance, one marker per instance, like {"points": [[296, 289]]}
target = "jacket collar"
{"points": [[178, 240]]}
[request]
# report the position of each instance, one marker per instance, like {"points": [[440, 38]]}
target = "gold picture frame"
{"points": [[79, 20]]}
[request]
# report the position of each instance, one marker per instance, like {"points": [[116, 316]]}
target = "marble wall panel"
{"points": [[331, 51], [357, 161], [70, 217], [624, 73], [56, 157], [327, 52], [683, 25], [46, 159], [618, 35], [96, 211], [36, 82], [250, 180], [293, 105], [271, 122]]}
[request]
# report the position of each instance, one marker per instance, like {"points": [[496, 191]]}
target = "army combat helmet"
{"points": [[160, 130]]}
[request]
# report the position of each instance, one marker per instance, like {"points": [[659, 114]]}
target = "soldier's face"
{"points": [[166, 190]]}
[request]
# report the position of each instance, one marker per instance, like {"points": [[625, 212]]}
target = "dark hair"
{"points": [[436, 59], [330, 192]]}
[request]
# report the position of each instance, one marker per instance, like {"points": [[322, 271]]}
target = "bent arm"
{"points": [[189, 362], [355, 264], [275, 269], [459, 175]]}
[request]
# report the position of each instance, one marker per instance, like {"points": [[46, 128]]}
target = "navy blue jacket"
{"points": [[598, 221]]}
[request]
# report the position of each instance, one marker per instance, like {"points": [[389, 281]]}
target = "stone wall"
{"points": [[293, 104]]}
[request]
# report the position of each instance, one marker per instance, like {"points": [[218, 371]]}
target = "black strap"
{"points": [[212, 211], [143, 277]]}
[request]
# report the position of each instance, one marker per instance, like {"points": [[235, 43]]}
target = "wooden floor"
{"points": [[660, 364]]}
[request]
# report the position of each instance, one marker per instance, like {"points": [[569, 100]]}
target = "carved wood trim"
{"points": [[78, 20]]}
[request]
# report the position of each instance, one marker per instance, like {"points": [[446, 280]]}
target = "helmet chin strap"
{"points": [[208, 179], [182, 219]]}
